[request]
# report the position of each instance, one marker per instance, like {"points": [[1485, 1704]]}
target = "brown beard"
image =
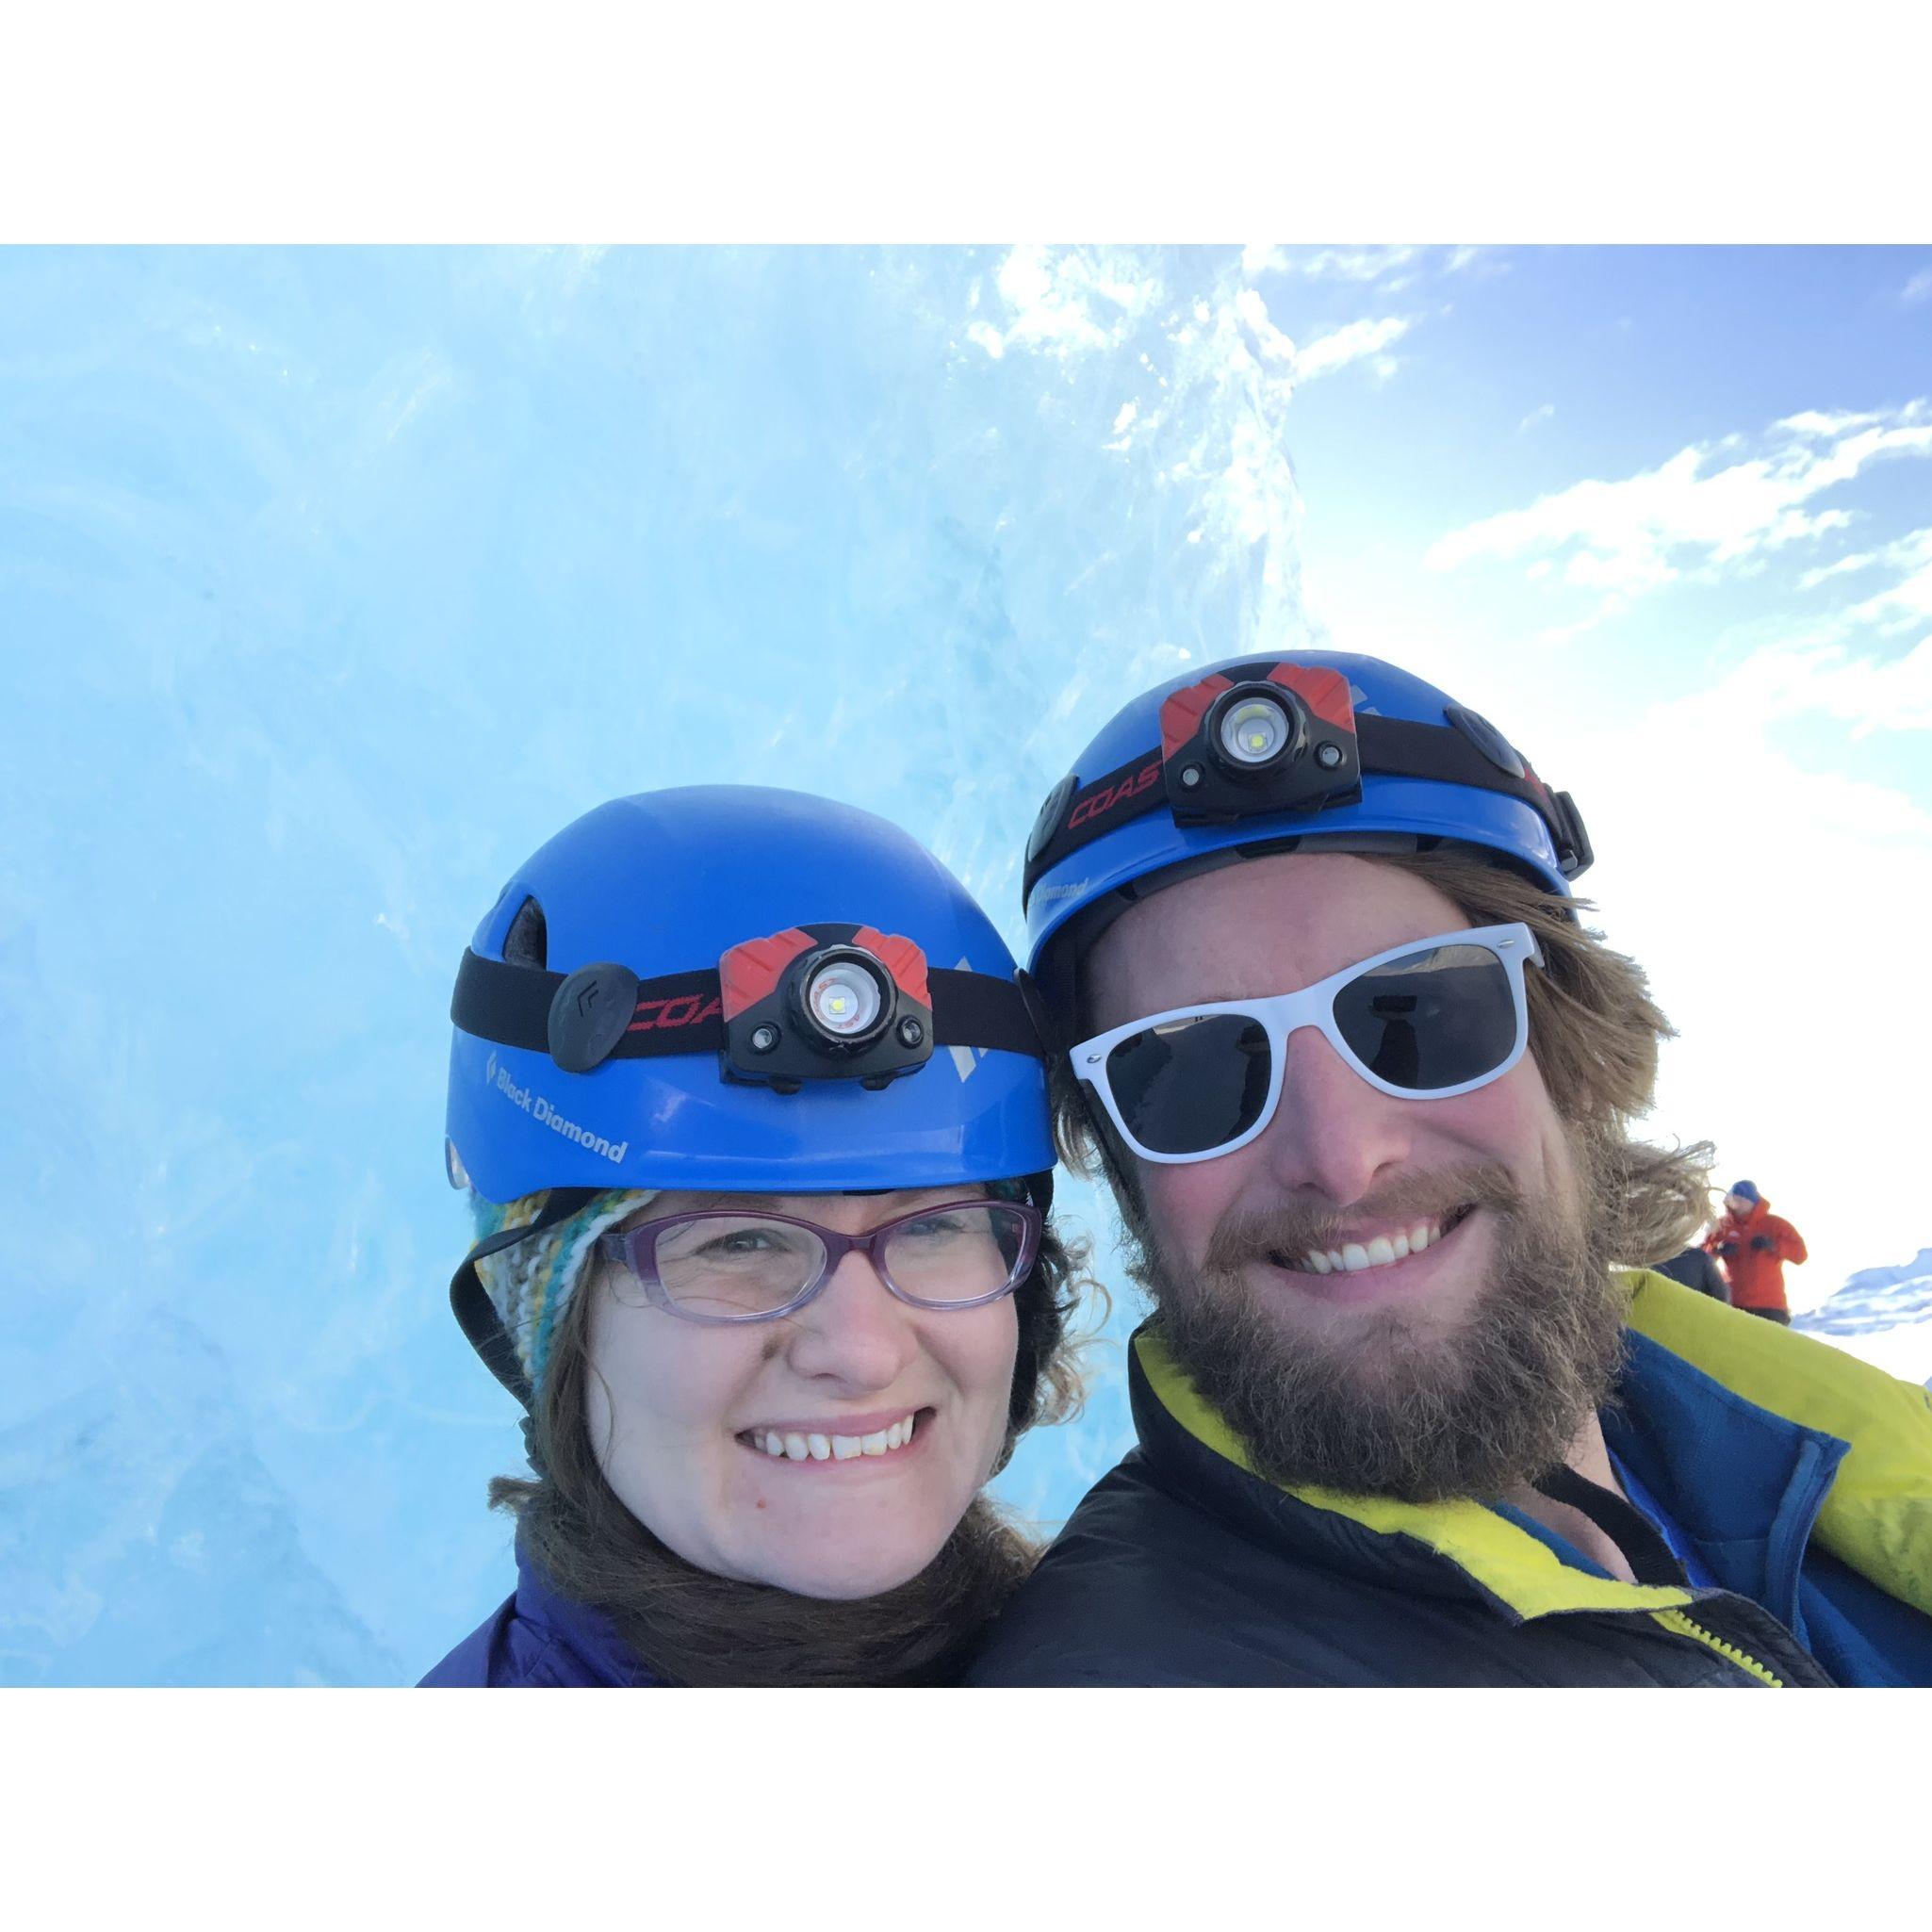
{"points": [[1401, 1408]]}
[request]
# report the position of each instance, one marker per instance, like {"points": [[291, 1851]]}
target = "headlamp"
{"points": [[845, 997], [1250, 728], [825, 1003], [1280, 737]]}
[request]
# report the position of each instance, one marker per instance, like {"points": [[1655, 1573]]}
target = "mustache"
{"points": [[1294, 1227]]}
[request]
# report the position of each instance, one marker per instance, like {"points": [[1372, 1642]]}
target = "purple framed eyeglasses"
{"points": [[726, 1266]]}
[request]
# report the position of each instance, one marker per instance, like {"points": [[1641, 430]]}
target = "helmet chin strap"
{"points": [[475, 1313]]}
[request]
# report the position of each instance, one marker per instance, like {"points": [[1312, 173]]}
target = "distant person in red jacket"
{"points": [[1754, 1244]]}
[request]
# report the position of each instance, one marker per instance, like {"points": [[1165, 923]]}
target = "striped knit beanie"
{"points": [[529, 1284]]}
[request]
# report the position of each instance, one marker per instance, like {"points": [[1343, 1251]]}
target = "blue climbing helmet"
{"points": [[1266, 754], [732, 988]]}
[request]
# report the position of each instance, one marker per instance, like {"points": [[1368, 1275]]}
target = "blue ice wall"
{"points": [[331, 581]]}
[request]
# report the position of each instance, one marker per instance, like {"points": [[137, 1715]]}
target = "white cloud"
{"points": [[1393, 265], [1696, 511], [1543, 414], [1348, 344], [1917, 290], [1862, 560], [1829, 680], [1353, 342], [1909, 600], [1355, 264]]}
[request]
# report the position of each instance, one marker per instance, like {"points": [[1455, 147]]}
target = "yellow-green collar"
{"points": [[1878, 1517]]}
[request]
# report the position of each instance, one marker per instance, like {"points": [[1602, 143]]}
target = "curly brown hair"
{"points": [[1595, 1032], [690, 1626]]}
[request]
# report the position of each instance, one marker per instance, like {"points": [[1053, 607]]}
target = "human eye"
{"points": [[942, 1226]]}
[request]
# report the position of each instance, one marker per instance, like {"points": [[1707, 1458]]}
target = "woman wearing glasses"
{"points": [[754, 1122]]}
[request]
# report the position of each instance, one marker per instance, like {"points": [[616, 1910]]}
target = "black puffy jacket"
{"points": [[1699, 1270], [1183, 1567]]}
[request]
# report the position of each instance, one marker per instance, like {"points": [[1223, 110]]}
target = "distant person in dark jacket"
{"points": [[1363, 1082], [1695, 1269], [761, 1200], [1754, 1244]]}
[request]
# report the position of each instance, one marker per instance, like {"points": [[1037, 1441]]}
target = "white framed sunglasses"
{"points": [[1426, 1020]]}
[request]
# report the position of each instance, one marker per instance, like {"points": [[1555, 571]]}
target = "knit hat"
{"points": [[1748, 1188], [529, 1284]]}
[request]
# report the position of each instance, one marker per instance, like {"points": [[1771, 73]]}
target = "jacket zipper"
{"points": [[1676, 1620]]}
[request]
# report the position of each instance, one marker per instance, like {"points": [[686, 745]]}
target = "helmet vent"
{"points": [[527, 942]]}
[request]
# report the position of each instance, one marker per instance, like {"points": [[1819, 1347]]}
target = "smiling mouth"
{"points": [[826, 1446], [1382, 1248]]}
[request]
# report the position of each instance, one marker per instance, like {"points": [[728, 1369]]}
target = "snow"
{"points": [[1883, 1315]]}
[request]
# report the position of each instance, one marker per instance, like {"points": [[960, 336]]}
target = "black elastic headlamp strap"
{"points": [[679, 1014], [1646, 1552], [476, 1315], [1390, 748]]}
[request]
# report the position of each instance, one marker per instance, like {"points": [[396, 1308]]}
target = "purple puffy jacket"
{"points": [[539, 1640]]}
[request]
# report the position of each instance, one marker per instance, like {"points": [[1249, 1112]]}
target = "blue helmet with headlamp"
{"points": [[1308, 750], [732, 988]]}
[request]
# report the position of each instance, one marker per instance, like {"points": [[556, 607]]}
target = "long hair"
{"points": [[690, 1626], [1595, 1032]]}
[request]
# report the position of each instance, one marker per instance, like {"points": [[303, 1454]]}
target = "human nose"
{"points": [[1331, 1131], [853, 1331]]}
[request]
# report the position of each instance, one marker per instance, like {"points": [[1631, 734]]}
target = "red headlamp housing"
{"points": [[825, 1003], [1281, 738]]}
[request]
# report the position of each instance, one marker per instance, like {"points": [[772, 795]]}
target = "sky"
{"points": [[335, 581]]}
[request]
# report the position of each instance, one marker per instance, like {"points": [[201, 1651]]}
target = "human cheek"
{"points": [[1511, 1120], [1186, 1203], [978, 1349], [667, 1387]]}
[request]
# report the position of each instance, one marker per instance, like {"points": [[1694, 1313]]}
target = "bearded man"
{"points": [[1410, 1409]]}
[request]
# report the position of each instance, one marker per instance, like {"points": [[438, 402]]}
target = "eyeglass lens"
{"points": [[734, 1266]]}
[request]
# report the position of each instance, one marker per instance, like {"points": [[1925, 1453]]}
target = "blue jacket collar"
{"points": [[1744, 1484]]}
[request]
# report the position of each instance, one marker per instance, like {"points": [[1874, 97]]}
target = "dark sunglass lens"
{"points": [[1190, 1085], [1432, 1019]]}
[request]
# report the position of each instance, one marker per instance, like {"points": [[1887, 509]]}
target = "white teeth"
{"points": [[801, 1445], [1354, 1255]]}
